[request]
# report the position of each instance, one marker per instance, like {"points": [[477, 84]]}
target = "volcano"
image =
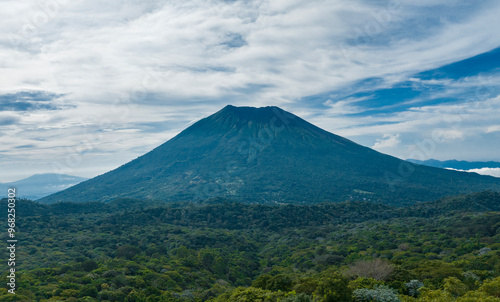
{"points": [[268, 155]]}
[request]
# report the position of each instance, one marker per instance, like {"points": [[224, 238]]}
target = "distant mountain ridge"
{"points": [[268, 155], [41, 185], [230, 214]]}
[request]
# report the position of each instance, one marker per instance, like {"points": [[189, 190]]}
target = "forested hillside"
{"points": [[267, 155], [447, 250]]}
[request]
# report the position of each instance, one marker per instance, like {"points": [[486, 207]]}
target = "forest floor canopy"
{"points": [[447, 250]]}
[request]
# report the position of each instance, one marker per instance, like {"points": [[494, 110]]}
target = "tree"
{"points": [[207, 258], [306, 285], [455, 287], [477, 296], [220, 266], [364, 283], [88, 290], [491, 287], [435, 296], [377, 269], [279, 282], [379, 293], [297, 298], [127, 251], [89, 265], [413, 287], [249, 294], [334, 288]]}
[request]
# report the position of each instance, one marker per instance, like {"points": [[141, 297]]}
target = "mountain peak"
{"points": [[269, 155], [233, 117], [250, 113], [236, 109]]}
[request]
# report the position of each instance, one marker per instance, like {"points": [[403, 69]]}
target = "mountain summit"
{"points": [[268, 155]]}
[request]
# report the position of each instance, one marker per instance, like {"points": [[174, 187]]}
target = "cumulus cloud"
{"points": [[387, 141], [487, 171], [495, 172], [447, 135]]}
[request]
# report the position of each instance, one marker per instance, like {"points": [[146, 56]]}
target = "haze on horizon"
{"points": [[88, 86]]}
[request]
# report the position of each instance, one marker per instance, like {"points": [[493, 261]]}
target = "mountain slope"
{"points": [[268, 155], [41, 185]]}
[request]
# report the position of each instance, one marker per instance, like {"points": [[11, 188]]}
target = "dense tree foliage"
{"points": [[448, 250]]}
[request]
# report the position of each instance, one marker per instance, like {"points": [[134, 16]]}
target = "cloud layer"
{"points": [[87, 85], [483, 171]]}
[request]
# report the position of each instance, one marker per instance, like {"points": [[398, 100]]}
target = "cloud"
{"points": [[30, 100], [387, 141], [219, 47], [345, 106], [234, 40], [6, 120], [138, 72], [487, 171], [492, 129], [483, 171], [447, 135]]}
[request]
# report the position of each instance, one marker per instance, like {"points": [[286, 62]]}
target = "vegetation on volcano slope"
{"points": [[267, 155], [448, 250]]}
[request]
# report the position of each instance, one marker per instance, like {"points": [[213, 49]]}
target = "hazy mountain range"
{"points": [[267, 155], [41, 185], [491, 168]]}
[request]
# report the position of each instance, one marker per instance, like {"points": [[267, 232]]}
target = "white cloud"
{"points": [[483, 171], [131, 63], [387, 141], [492, 129], [291, 47], [487, 171], [447, 135], [346, 106]]}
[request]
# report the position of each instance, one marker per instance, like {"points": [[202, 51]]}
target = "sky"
{"points": [[86, 86]]}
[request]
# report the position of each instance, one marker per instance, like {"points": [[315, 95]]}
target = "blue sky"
{"points": [[88, 86]]}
